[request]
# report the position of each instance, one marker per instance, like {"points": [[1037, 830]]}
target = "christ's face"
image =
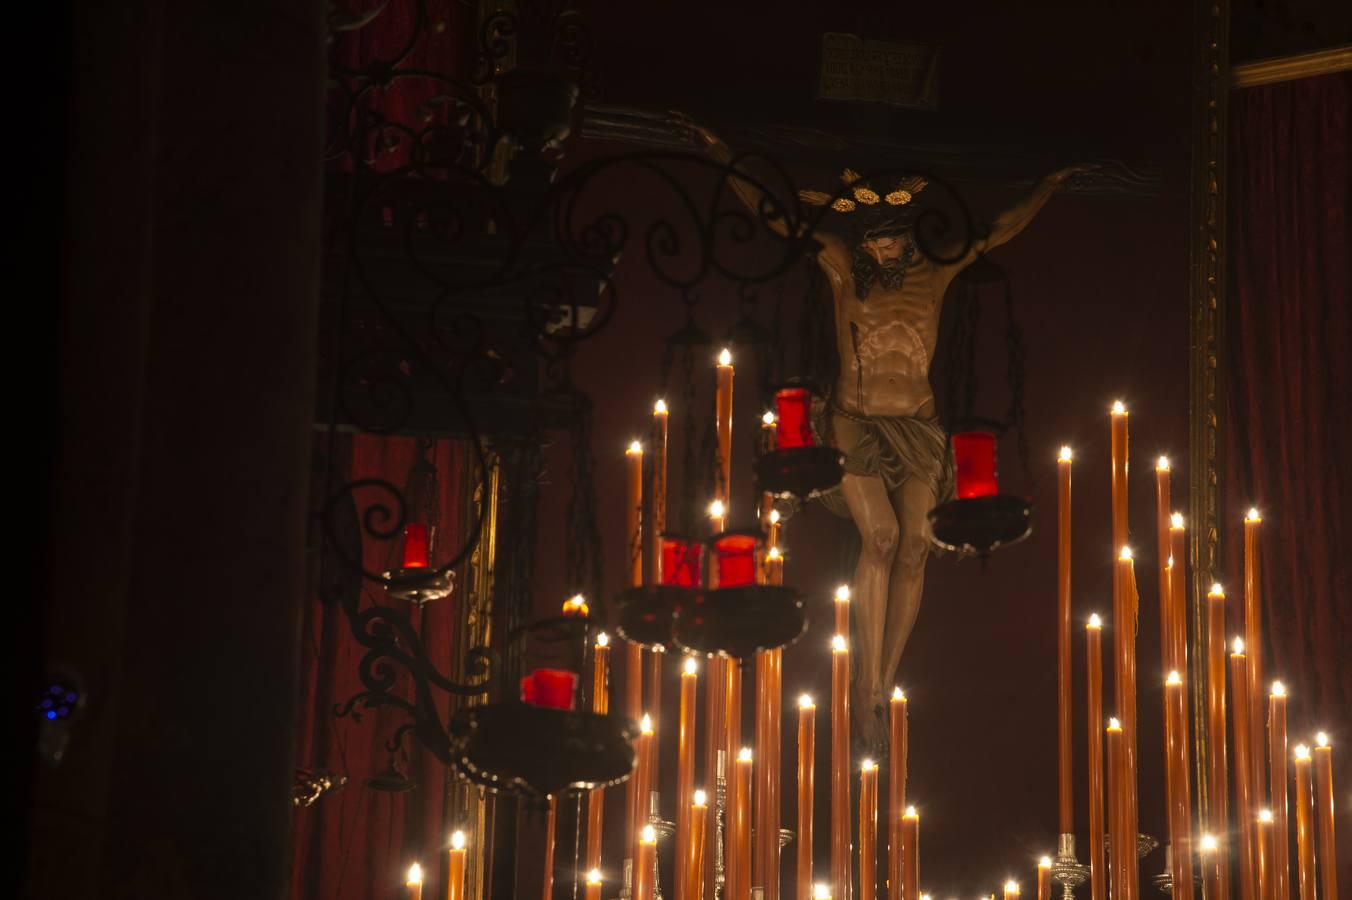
{"points": [[886, 251]]}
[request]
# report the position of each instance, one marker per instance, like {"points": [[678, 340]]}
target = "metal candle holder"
{"points": [[1068, 871]]}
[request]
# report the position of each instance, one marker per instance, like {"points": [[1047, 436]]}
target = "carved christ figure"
{"points": [[880, 413]]}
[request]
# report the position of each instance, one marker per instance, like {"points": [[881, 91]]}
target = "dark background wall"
{"points": [[1101, 291]]}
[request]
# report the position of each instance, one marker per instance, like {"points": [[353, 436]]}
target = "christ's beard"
{"points": [[866, 270]]}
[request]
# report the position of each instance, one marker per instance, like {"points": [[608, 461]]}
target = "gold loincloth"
{"points": [[893, 448]]}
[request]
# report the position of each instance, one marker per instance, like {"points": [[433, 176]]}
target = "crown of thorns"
{"points": [[865, 196]]}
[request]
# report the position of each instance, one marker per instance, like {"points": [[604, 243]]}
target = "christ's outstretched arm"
{"points": [[1015, 219]]}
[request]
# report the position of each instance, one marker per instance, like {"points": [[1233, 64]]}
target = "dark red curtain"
{"points": [[1289, 440], [357, 843]]}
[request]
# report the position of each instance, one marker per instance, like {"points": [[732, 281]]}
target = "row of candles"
{"points": [[1261, 849], [1257, 730]]}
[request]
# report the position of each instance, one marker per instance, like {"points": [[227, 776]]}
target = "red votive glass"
{"points": [[417, 540], [793, 418], [553, 688], [735, 559], [974, 459], [681, 561]]}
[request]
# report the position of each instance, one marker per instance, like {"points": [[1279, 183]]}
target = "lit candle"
{"points": [[592, 889], [1098, 868], [1011, 889], [576, 605], [821, 892], [896, 784], [1328, 848], [455, 876], [642, 775], [739, 859], [715, 743], [417, 546], [1162, 476], [1177, 651], [765, 868], [732, 705], [551, 826], [868, 830], [1119, 473], [694, 861], [633, 458], [1178, 785], [773, 518], [769, 440], [1044, 878], [600, 704], [1244, 805], [774, 566], [723, 424], [718, 517], [1217, 783], [1125, 684], [645, 864], [633, 674], [1253, 642], [1063, 675], [1122, 841], [910, 862], [1304, 824], [843, 609], [840, 767], [1277, 791], [656, 656], [685, 770], [807, 747], [1209, 849], [1262, 858], [658, 509], [414, 882]]}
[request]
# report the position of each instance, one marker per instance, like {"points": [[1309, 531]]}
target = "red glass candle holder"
{"points": [[552, 688], [974, 459], [417, 545], [735, 559], [793, 418], [682, 562]]}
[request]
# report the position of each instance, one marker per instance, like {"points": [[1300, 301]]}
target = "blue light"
{"points": [[51, 714], [70, 698]]}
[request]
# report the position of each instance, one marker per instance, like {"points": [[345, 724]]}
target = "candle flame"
{"points": [[838, 644], [1265, 816], [1065, 454], [457, 840], [774, 553], [414, 875], [646, 726], [868, 765], [898, 694], [774, 517], [1094, 621], [594, 876], [1119, 408], [1045, 862], [1302, 753], [1278, 689], [700, 798], [649, 835], [1174, 678], [635, 448], [575, 605], [1162, 464], [1321, 739], [603, 640], [716, 509], [725, 357], [1176, 520], [1114, 724], [660, 407], [1170, 563], [805, 701], [744, 755], [843, 593], [767, 418], [1216, 591], [1253, 515], [1237, 646], [1011, 887], [911, 813], [690, 665], [821, 892], [1209, 844], [1125, 554]]}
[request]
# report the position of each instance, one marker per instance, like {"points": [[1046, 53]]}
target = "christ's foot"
{"points": [[869, 729]]}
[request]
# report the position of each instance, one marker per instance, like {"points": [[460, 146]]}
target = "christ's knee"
{"points": [[913, 551], [880, 542]]}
